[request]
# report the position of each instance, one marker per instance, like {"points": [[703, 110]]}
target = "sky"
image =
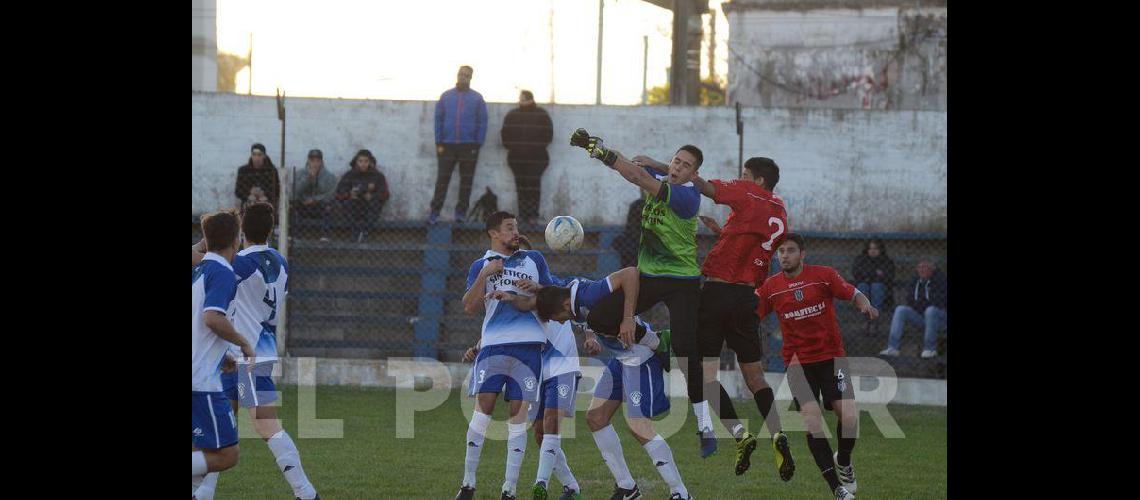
{"points": [[411, 50]]}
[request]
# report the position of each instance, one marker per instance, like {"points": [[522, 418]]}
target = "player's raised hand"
{"points": [[580, 138], [597, 149], [710, 223], [250, 356], [493, 267], [501, 296], [625, 332], [228, 364], [470, 353]]}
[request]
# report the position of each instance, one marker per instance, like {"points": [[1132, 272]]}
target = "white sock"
{"points": [[610, 446], [195, 482], [197, 463], [562, 470], [476, 432], [662, 458], [289, 461], [206, 489], [701, 410], [547, 456], [516, 450]]}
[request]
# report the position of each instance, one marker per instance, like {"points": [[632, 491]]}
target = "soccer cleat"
{"points": [[624, 494], [570, 494], [784, 462], [539, 491], [507, 496], [841, 493], [465, 493], [318, 497], [744, 449], [433, 218], [677, 496], [889, 352], [846, 474], [708, 442], [929, 353]]}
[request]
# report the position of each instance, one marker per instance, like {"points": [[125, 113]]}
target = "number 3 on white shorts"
{"points": [[481, 374], [773, 221]]}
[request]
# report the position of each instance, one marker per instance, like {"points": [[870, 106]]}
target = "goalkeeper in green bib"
{"points": [[666, 261]]}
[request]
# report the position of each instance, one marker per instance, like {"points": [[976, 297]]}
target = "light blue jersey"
{"points": [[502, 323], [213, 286]]}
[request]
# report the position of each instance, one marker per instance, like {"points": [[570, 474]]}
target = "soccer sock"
{"points": [[197, 463], [476, 432], [562, 470], [547, 457], [610, 446], [701, 410], [764, 399], [821, 451], [662, 457], [289, 461], [195, 483], [728, 415], [205, 490], [846, 443], [516, 450]]}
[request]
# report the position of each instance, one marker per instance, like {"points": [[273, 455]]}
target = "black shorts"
{"points": [[728, 314], [829, 379], [681, 297]]}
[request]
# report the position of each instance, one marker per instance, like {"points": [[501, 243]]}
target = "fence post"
{"points": [[432, 285], [283, 230]]}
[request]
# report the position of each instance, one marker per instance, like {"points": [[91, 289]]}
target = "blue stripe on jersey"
{"points": [[220, 285]]}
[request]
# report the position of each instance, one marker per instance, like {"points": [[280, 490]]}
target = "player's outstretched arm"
{"points": [[646, 161], [629, 281], [614, 159], [864, 305], [520, 302], [706, 188]]}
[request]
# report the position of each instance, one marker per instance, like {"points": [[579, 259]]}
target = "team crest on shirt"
{"points": [[563, 390], [635, 398], [529, 383], [799, 295]]}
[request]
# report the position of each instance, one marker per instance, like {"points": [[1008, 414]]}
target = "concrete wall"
{"points": [[842, 170], [205, 45], [852, 54]]}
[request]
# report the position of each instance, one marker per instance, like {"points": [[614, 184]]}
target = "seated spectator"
{"points": [[874, 272], [257, 180], [627, 243], [314, 192], [361, 193], [927, 293]]}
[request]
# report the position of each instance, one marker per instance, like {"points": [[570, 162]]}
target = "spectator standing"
{"points": [[526, 132], [257, 179], [874, 272], [361, 193], [926, 305], [460, 129], [315, 191]]}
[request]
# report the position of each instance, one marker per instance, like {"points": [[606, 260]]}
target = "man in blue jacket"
{"points": [[460, 127], [926, 306]]}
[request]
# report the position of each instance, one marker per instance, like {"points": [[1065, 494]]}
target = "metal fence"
{"points": [[367, 288]]}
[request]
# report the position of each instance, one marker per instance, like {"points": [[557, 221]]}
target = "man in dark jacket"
{"points": [[257, 179], [361, 193], [527, 131], [874, 272], [927, 293], [460, 128]]}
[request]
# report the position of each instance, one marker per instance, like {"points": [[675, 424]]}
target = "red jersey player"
{"points": [[737, 264], [802, 298]]}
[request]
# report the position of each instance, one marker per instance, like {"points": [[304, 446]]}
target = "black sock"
{"points": [[846, 443], [764, 399], [727, 412], [821, 451]]}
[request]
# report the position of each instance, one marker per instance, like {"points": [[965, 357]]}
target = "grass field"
{"points": [[369, 461]]}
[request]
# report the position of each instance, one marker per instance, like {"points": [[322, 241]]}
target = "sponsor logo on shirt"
{"points": [[509, 277], [806, 312]]}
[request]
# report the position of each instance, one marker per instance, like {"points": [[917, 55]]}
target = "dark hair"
{"points": [[257, 222], [365, 153], [760, 166], [877, 242], [528, 94], [469, 68], [695, 151], [268, 160], [799, 240], [548, 301], [220, 230], [496, 219]]}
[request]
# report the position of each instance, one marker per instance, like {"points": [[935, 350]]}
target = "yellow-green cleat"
{"points": [[744, 449], [539, 491], [784, 462]]}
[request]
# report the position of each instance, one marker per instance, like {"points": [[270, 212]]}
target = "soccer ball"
{"points": [[564, 234]]}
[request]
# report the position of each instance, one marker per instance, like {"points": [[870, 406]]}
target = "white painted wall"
{"points": [[841, 170]]}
